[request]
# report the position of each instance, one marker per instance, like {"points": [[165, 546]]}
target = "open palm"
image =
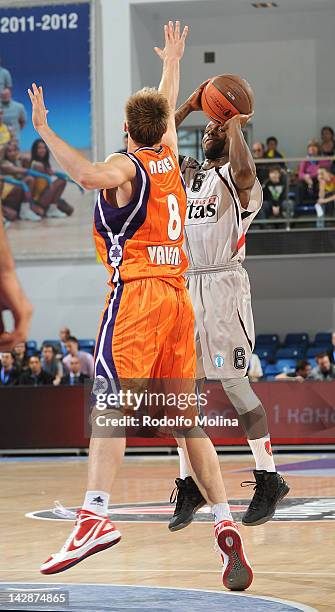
{"points": [[39, 112], [174, 42]]}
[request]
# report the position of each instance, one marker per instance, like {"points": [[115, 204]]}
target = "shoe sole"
{"points": [[268, 517], [97, 549], [187, 522], [238, 574]]}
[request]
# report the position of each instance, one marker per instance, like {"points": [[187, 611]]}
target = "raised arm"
{"points": [[240, 158], [169, 86], [115, 171]]}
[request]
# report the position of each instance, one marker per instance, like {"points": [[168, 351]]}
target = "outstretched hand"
{"points": [[174, 42], [39, 112]]}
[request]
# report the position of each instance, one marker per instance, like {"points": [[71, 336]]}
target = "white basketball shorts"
{"points": [[224, 325]]}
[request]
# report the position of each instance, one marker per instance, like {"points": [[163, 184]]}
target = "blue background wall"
{"points": [[57, 59]]}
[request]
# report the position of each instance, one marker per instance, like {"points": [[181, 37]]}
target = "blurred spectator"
{"points": [[325, 204], [64, 335], [17, 199], [21, 356], [5, 78], [11, 198], [331, 353], [308, 186], [35, 375], [302, 372], [5, 134], [75, 377], [46, 192], [255, 371], [262, 170], [327, 141], [125, 144], [272, 150], [60, 347], [324, 369], [274, 193], [86, 360], [14, 113], [9, 374], [51, 364]]}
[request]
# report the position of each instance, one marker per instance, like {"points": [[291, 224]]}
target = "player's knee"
{"points": [[240, 393], [191, 431], [107, 423]]}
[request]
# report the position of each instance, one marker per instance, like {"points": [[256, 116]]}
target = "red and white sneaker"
{"points": [[91, 534], [236, 572]]}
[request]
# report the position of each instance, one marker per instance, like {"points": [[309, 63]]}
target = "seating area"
{"points": [[85, 344], [277, 357]]}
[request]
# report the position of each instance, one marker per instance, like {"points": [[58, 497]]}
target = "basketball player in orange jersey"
{"points": [[147, 326], [224, 196]]}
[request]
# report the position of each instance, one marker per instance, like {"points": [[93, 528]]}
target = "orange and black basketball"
{"points": [[225, 96]]}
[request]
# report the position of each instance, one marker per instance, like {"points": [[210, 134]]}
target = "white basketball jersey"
{"points": [[216, 223]]}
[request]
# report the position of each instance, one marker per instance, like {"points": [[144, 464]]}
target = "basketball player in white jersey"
{"points": [[224, 196]]}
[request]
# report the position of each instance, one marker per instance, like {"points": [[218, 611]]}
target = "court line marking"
{"points": [[34, 590], [297, 605], [178, 571], [31, 515]]}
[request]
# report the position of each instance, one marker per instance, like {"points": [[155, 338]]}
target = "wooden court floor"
{"points": [[293, 559]]}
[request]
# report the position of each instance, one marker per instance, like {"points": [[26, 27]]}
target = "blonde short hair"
{"points": [[147, 114]]}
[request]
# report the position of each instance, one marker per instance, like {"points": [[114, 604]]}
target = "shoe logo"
{"points": [[268, 448], [97, 500], [92, 532]]}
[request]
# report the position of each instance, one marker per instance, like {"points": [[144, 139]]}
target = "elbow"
{"points": [[86, 180]]}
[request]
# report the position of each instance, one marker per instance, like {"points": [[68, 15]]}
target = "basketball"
{"points": [[225, 96]]}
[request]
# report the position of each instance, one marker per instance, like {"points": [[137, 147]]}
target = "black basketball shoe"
{"points": [[270, 489], [188, 500]]}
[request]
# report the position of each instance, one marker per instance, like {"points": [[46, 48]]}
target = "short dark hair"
{"points": [[48, 345], [321, 355], [271, 138], [34, 355], [302, 364], [277, 168], [327, 127], [72, 339], [9, 353]]}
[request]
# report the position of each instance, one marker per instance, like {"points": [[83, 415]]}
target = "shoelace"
{"points": [[258, 495], [177, 495], [61, 511]]}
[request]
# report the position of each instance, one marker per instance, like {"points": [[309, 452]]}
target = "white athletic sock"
{"points": [[221, 513], [262, 452], [97, 502], [183, 467]]}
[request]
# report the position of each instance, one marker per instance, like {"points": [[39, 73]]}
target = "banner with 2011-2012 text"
{"points": [[48, 44]]}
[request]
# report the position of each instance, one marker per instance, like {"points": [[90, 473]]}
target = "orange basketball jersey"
{"points": [[144, 238]]}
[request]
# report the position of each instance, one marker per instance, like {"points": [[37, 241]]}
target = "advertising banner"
{"points": [[46, 214], [55, 417]]}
